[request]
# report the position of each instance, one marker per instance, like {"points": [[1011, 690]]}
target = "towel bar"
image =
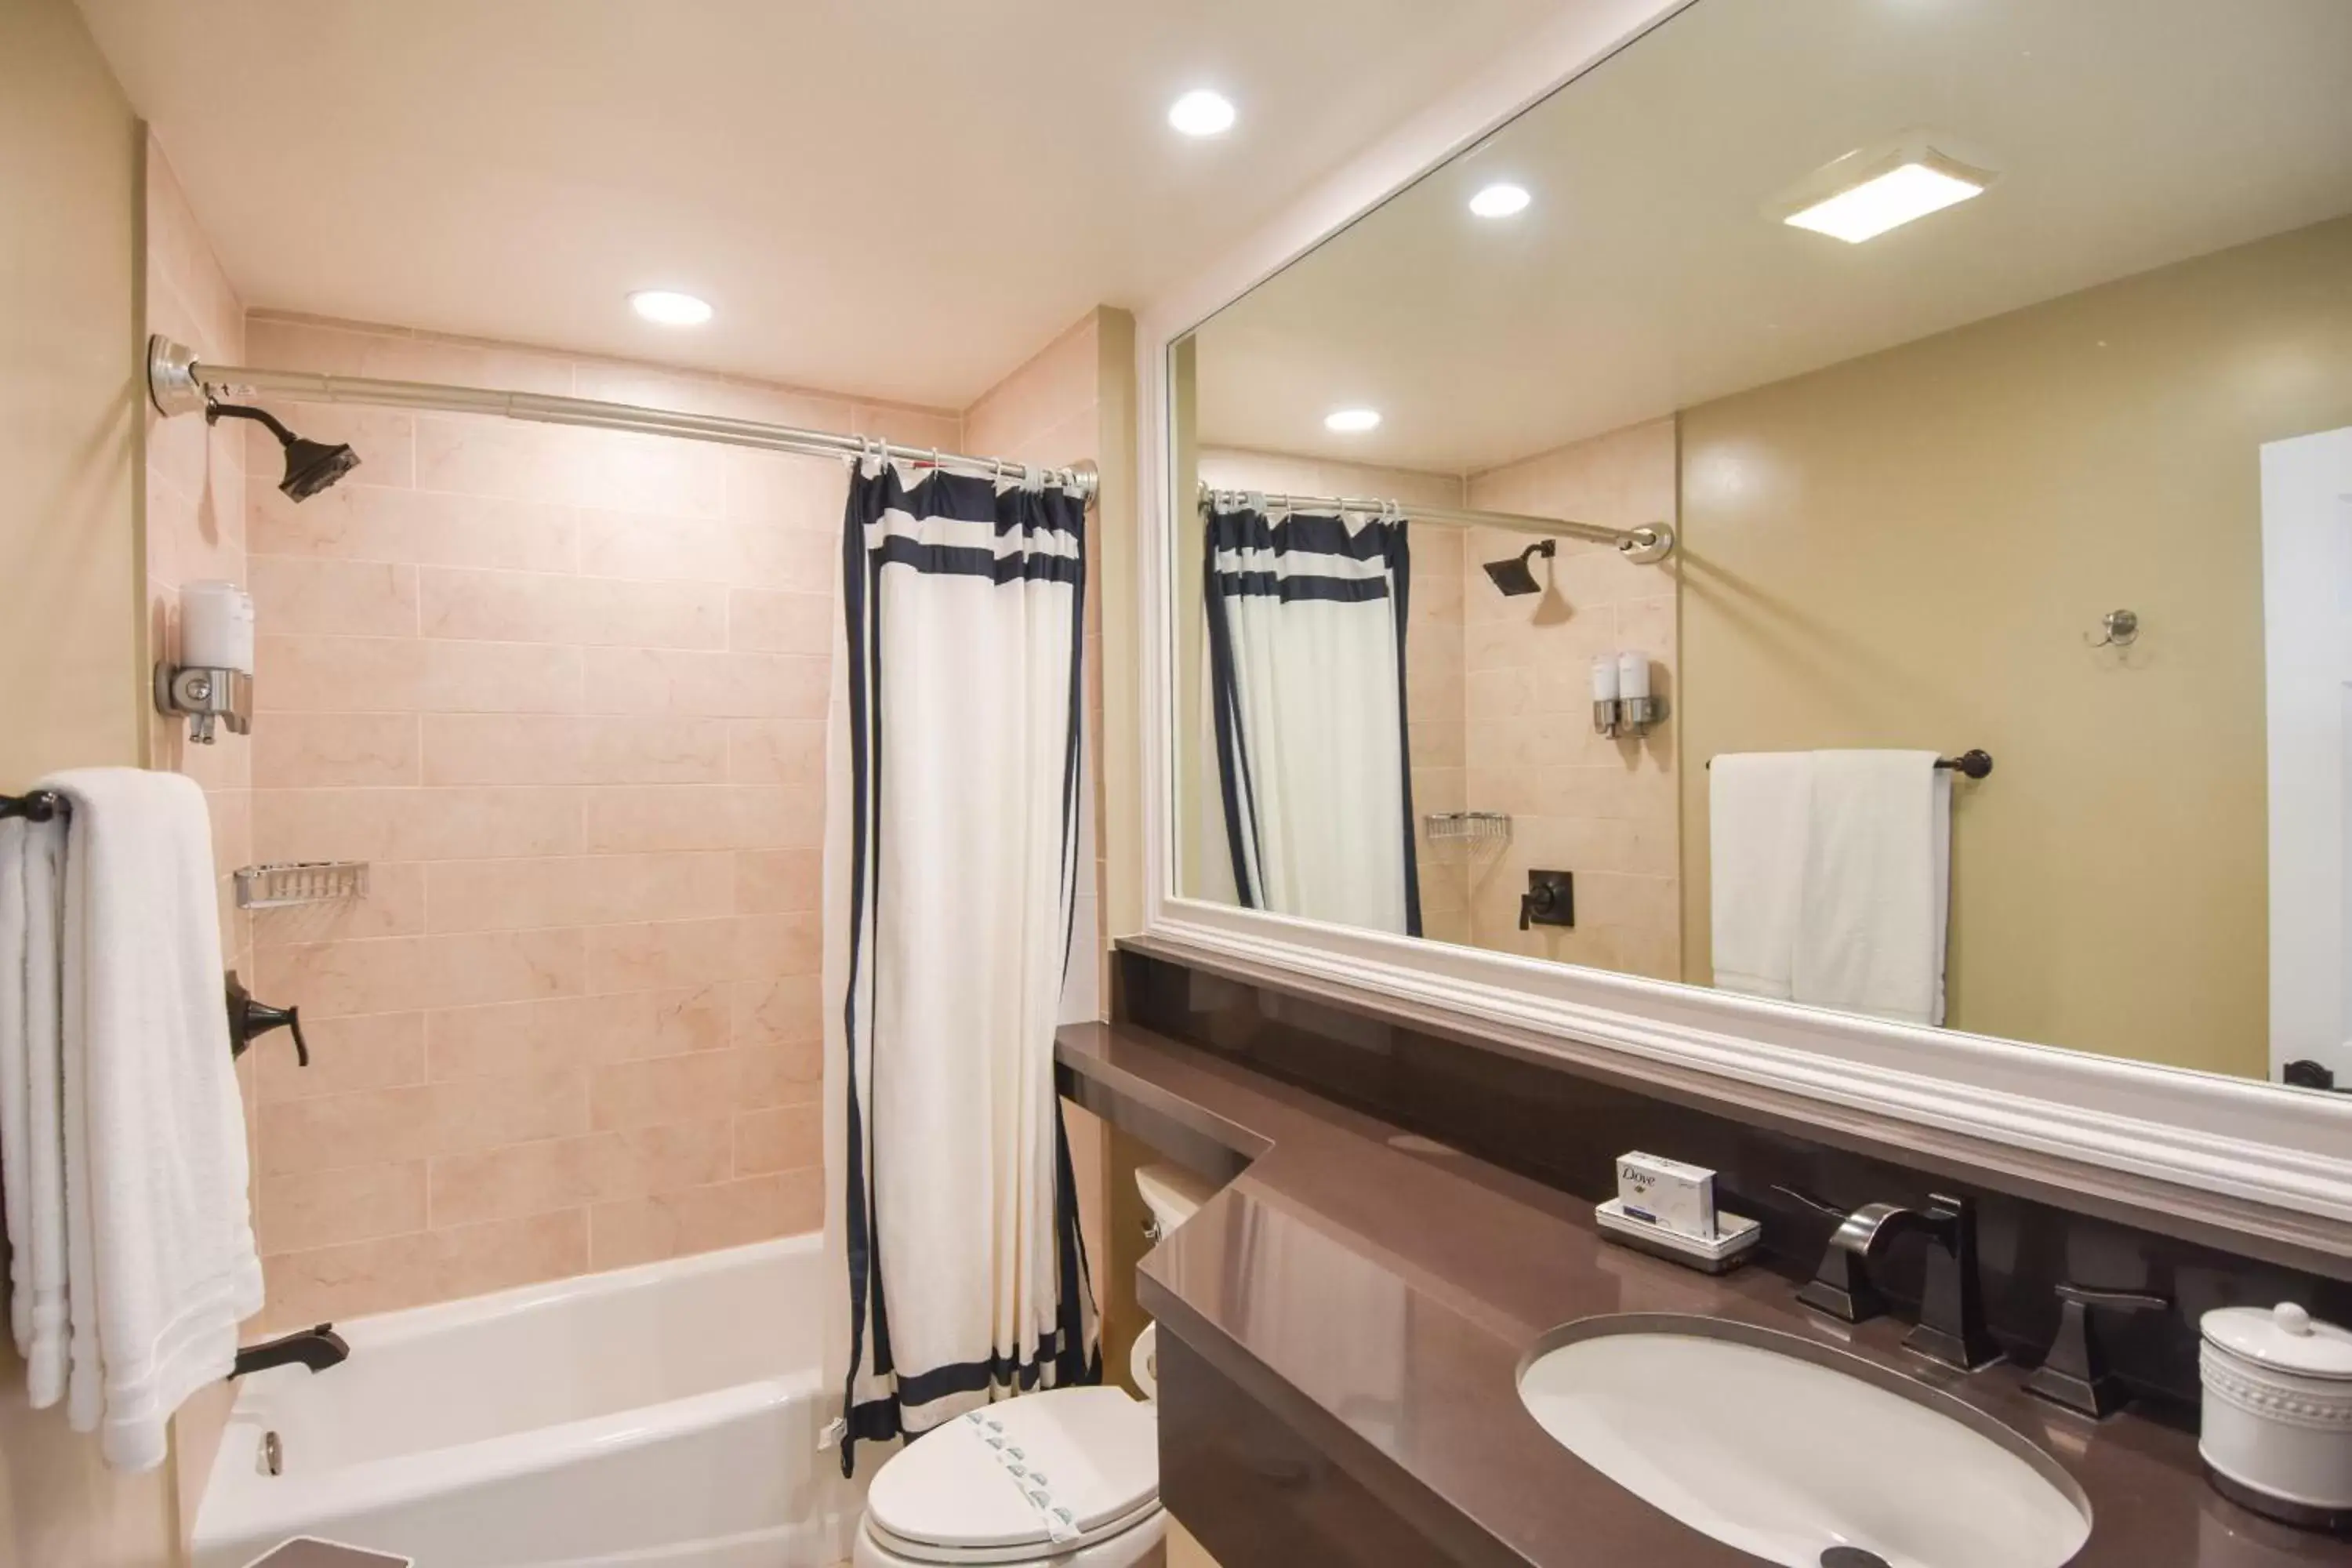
{"points": [[1975, 765], [41, 805]]}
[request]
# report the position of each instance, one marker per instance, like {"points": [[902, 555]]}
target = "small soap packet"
{"points": [[1667, 1193]]}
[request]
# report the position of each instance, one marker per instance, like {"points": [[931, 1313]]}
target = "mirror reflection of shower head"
{"points": [[311, 466], [1515, 576]]}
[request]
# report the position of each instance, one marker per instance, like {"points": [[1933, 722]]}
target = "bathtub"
{"points": [[662, 1416]]}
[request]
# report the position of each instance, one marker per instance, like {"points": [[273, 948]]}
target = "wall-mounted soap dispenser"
{"points": [[213, 680]]}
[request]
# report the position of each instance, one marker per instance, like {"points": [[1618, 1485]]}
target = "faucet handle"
{"points": [[2074, 1374], [1818, 1205], [2120, 1300]]}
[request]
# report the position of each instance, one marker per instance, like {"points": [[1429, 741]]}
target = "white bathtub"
{"points": [[664, 1416]]}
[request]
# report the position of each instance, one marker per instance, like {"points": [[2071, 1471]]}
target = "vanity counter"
{"points": [[1376, 1292]]}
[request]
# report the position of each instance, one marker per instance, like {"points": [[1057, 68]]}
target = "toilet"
{"points": [[952, 1496]]}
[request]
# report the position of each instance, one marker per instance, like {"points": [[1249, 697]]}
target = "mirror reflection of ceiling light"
{"points": [[1352, 421], [1201, 113], [1863, 194], [1500, 201], [669, 308]]}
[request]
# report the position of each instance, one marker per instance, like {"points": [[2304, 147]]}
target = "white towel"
{"points": [[32, 1098], [1875, 887], [161, 1263], [1758, 807]]}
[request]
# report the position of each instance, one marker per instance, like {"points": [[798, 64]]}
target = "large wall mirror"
{"points": [[1847, 501]]}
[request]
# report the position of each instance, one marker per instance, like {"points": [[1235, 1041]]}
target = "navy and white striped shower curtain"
{"points": [[951, 871], [1308, 716]]}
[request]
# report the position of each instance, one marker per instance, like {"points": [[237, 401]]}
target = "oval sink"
{"points": [[1798, 1454]]}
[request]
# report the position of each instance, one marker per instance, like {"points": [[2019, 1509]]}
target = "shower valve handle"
{"points": [[1551, 900]]}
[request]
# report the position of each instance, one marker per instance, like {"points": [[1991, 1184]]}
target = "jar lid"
{"points": [[2284, 1337]]}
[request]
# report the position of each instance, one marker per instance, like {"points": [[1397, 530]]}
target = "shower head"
{"points": [[1515, 576], [311, 466]]}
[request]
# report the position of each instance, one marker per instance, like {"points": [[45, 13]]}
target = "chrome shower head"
{"points": [[1515, 576], [311, 466]]}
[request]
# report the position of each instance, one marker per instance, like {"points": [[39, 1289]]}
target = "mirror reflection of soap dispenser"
{"points": [[1604, 694], [1637, 707]]}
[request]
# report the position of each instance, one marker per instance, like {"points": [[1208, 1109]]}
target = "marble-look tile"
{"points": [[376, 1050], [507, 895], [729, 1213], [768, 620], [358, 520], [780, 1012], [777, 881], [663, 956], [342, 598], [776, 752], [504, 1041], [328, 751], [784, 1138], [321, 1208], [360, 1277], [564, 1173]]}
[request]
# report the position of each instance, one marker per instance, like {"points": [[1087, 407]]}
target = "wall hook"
{"points": [[2118, 628]]}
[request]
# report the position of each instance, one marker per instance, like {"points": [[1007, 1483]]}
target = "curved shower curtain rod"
{"points": [[179, 384], [1643, 546]]}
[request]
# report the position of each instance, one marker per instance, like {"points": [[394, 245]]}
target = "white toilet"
{"points": [[982, 1487]]}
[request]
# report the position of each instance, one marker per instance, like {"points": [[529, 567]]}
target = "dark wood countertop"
{"points": [[1379, 1291]]}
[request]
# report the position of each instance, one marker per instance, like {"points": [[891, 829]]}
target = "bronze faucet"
{"points": [[1952, 1328]]}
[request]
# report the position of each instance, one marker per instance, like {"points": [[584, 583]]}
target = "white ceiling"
{"points": [[1647, 276], [894, 197]]}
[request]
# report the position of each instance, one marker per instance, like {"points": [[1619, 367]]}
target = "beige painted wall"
{"points": [[70, 404], [70, 598], [1907, 550], [194, 487]]}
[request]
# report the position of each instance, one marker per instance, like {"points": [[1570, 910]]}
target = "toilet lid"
{"points": [[1011, 1473]]}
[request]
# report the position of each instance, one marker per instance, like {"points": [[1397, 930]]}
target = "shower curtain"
{"points": [[951, 871], [1306, 697]]}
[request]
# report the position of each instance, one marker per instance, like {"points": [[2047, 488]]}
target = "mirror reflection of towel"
{"points": [[1874, 894], [1832, 874], [1758, 803]]}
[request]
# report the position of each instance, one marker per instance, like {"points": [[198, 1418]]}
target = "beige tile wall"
{"points": [[565, 691], [1603, 809], [1434, 649]]}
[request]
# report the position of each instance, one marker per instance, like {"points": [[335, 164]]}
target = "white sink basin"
{"points": [[1797, 1454]]}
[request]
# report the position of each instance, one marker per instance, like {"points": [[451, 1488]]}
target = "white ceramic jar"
{"points": [[2277, 1432]]}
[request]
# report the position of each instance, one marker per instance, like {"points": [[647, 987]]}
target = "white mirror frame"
{"points": [[2245, 1161]]}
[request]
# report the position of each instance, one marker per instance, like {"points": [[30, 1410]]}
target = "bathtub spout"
{"points": [[318, 1349]]}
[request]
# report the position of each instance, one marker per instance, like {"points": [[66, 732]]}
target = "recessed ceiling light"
{"points": [[1352, 421], [1500, 201], [669, 308], [1201, 113], [1860, 197]]}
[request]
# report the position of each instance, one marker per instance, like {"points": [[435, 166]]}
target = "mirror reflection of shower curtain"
{"points": [[1307, 693]]}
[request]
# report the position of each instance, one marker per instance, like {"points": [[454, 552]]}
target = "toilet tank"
{"points": [[1171, 1193]]}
